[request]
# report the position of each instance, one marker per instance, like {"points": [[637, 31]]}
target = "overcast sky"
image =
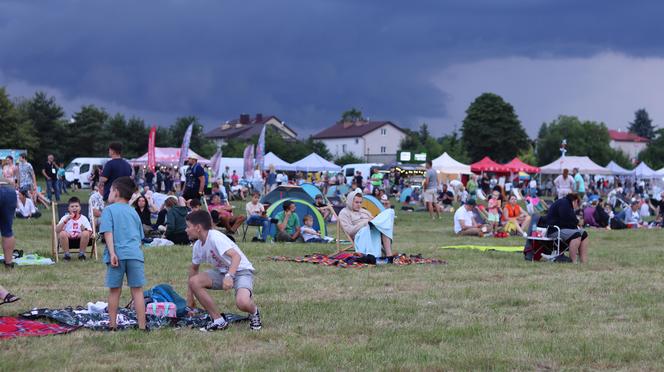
{"points": [[307, 61]]}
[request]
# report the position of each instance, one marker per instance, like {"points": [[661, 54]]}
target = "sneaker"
{"points": [[67, 257], [255, 321], [254, 239], [81, 257], [212, 326]]}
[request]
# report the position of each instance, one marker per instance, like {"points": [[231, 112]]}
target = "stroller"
{"points": [[547, 247]]}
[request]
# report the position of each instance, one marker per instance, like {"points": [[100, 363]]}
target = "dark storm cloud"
{"points": [[305, 61]]}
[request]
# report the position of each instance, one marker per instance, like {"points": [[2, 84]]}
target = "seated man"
{"points": [[25, 207], [371, 235], [516, 217], [288, 223], [74, 230], [325, 209], [464, 220], [561, 214]]}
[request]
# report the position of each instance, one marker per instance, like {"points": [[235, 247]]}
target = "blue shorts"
{"points": [[134, 270], [7, 210]]}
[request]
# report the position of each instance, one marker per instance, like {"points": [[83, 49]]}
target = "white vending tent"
{"points": [[617, 170], [233, 164], [279, 164], [644, 171], [447, 164], [583, 163], [314, 163], [167, 156]]}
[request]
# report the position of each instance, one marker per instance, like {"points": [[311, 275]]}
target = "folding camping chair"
{"points": [[57, 212], [246, 226], [547, 246]]}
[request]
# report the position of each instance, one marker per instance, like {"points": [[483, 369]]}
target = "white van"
{"points": [[349, 170], [80, 170]]}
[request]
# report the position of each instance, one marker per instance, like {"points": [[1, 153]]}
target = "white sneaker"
{"points": [[525, 235]]}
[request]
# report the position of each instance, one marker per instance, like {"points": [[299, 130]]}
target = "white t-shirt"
{"points": [[74, 227], [26, 209], [213, 252], [462, 214], [532, 184], [308, 233]]}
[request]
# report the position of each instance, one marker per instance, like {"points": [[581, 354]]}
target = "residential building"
{"points": [[245, 127], [372, 141], [629, 143]]}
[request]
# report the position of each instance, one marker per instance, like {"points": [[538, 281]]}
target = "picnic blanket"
{"points": [[485, 248], [81, 317], [356, 260], [31, 260], [14, 327]]}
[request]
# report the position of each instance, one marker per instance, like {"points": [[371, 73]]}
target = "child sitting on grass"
{"points": [[231, 269], [123, 233], [309, 234], [74, 230]]}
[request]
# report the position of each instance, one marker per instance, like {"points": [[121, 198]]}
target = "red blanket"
{"points": [[14, 327], [350, 259]]}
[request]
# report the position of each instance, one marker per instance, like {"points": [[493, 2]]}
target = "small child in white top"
{"points": [[74, 228], [309, 234]]}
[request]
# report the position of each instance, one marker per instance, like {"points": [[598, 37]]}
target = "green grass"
{"points": [[481, 311]]}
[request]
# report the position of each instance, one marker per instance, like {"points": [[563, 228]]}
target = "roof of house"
{"points": [[352, 129], [247, 128], [626, 136]]}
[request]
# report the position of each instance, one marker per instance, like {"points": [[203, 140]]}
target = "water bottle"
{"points": [[381, 261]]}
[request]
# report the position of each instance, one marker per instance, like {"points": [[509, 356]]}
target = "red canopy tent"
{"points": [[488, 165], [516, 165]]}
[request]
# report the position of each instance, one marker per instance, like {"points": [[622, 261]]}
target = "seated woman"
{"points": [[175, 221], [222, 215], [145, 209], [516, 217], [25, 207], [561, 214], [371, 235]]}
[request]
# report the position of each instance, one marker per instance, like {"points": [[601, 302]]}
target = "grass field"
{"points": [[481, 311]]}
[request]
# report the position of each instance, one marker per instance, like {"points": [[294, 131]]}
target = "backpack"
{"points": [[165, 293]]}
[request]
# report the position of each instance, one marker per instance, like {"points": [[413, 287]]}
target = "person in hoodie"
{"points": [[371, 235], [562, 214], [175, 221]]}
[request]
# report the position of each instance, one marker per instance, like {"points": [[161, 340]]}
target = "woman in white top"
{"points": [[25, 207], [564, 184]]}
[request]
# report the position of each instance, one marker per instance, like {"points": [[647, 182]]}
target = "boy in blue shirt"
{"points": [[123, 233]]}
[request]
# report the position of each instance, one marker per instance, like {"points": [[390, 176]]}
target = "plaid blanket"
{"points": [[15, 327], [356, 260]]}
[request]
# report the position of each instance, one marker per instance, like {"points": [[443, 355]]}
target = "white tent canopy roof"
{"points": [[279, 164], [167, 156], [617, 170], [314, 163], [644, 171], [447, 164], [583, 163]]}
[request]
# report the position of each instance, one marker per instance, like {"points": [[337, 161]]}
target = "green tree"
{"points": [[642, 124], [587, 138], [352, 115], [137, 141], [201, 145], [421, 141], [453, 146], [18, 131], [653, 155], [318, 147], [48, 120], [347, 158], [492, 128], [85, 134]]}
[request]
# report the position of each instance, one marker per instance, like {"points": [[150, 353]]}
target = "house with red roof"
{"points": [[245, 127], [630, 143], [373, 141]]}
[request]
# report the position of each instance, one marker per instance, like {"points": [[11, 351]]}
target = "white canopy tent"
{"points": [[644, 171], [447, 164], [167, 156], [314, 163], [279, 164], [583, 163], [617, 170], [233, 164]]}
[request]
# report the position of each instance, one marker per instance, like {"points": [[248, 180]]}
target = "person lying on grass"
{"points": [[123, 233], [232, 269], [74, 229]]}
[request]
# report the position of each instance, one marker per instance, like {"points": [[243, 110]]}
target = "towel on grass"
{"points": [[14, 327], [356, 260], [32, 259], [485, 248]]}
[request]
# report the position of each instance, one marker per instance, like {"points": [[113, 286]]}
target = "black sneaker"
{"points": [[81, 257], [212, 326], [254, 239], [67, 257], [255, 321]]}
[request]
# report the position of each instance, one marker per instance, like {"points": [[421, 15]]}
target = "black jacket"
{"points": [[561, 213]]}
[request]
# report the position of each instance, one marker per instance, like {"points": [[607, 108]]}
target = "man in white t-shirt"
{"points": [[232, 269], [74, 230], [464, 222]]}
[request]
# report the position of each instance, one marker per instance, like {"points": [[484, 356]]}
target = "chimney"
{"points": [[259, 118], [244, 118], [348, 124]]}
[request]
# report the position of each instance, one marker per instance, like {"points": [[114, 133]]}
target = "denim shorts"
{"points": [[7, 210], [134, 270]]}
